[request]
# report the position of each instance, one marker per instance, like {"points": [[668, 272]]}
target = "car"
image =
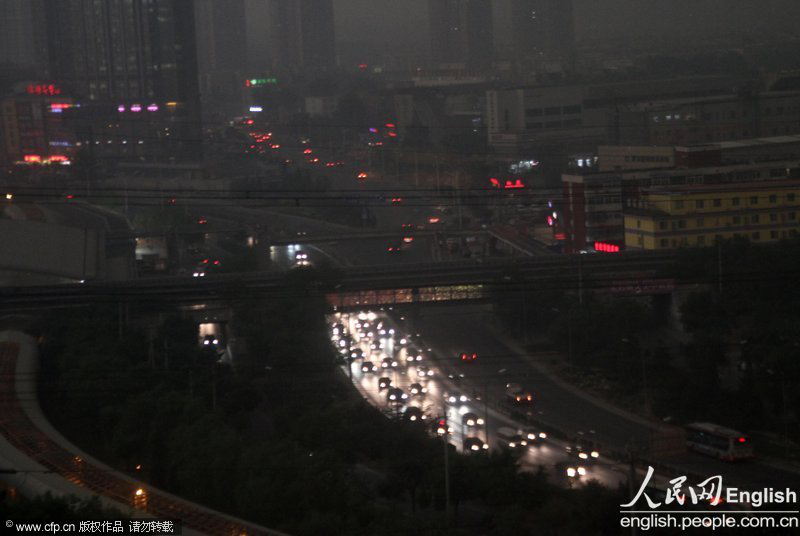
{"points": [[417, 389], [424, 372], [467, 357], [456, 398], [535, 436], [441, 426], [576, 471], [408, 227], [394, 248], [511, 438], [210, 340], [308, 151], [368, 366], [363, 175], [413, 355], [357, 353], [397, 200], [388, 362], [396, 395], [408, 239], [471, 419], [384, 383], [474, 444], [517, 396], [414, 413], [456, 378], [583, 450], [301, 258]]}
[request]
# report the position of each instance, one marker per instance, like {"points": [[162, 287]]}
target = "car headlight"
{"points": [[531, 436], [571, 472], [475, 447], [523, 443], [430, 373], [581, 471], [413, 418], [424, 417], [424, 390], [480, 422], [543, 435], [512, 445], [583, 456], [595, 454], [470, 422]]}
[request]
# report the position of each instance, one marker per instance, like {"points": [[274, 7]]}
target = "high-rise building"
{"points": [[544, 31], [461, 33], [22, 35], [132, 68], [303, 36], [222, 54]]}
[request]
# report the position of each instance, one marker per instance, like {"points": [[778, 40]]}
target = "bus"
{"points": [[718, 441]]}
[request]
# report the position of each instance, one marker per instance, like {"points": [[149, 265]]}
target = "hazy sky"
{"points": [[406, 20]]}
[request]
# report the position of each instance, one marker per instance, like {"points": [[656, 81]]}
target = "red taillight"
{"points": [[742, 440]]}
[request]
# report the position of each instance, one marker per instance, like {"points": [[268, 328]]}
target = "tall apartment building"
{"points": [[462, 33], [222, 55], [22, 35], [303, 36], [666, 217], [132, 67]]}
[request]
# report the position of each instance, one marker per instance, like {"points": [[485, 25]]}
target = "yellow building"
{"points": [[699, 215]]}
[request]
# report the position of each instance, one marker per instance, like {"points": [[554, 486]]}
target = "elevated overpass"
{"points": [[397, 284]]}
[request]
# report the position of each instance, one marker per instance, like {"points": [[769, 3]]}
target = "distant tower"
{"points": [[133, 67], [544, 30], [461, 32], [303, 36], [222, 53], [23, 35]]}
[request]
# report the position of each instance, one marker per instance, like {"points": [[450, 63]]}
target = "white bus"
{"points": [[718, 441]]}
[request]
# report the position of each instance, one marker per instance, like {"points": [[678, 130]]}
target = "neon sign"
{"points": [[43, 89], [606, 248]]}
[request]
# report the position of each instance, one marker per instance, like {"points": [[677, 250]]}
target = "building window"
{"points": [[773, 199], [773, 235], [773, 217], [638, 224], [718, 202], [790, 197], [754, 219], [792, 216], [664, 243], [718, 238], [701, 240], [756, 236], [681, 224], [678, 205], [700, 222], [735, 201], [737, 220], [754, 200], [662, 225], [699, 203]]}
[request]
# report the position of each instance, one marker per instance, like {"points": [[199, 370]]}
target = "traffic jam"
{"points": [[405, 379]]}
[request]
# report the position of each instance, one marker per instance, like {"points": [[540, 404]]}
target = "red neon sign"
{"points": [[606, 248], [32, 158], [43, 89]]}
